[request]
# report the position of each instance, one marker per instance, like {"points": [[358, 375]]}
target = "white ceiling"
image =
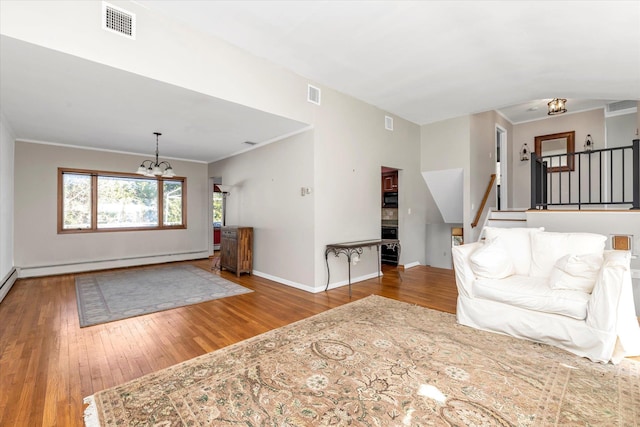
{"points": [[421, 60]]}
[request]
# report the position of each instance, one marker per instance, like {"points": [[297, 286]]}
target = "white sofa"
{"points": [[561, 289]]}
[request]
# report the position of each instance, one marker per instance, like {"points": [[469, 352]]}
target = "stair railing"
{"points": [[492, 180], [609, 176]]}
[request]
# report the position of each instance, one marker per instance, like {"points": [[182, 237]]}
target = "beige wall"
{"points": [[341, 160], [266, 195], [6, 203], [39, 250], [588, 122]]}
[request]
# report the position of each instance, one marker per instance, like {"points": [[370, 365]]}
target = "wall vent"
{"points": [[388, 123], [620, 108], [313, 94], [118, 20]]}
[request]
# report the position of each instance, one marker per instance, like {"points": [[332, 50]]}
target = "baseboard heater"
{"points": [[7, 282], [63, 268]]}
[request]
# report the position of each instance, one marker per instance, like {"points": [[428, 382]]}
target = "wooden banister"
{"points": [[484, 200]]}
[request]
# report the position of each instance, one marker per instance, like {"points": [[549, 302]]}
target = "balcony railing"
{"points": [[598, 178]]}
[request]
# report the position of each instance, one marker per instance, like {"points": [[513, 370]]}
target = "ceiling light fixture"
{"points": [[151, 168], [556, 106]]}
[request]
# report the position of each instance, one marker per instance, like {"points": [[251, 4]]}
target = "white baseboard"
{"points": [[78, 267], [296, 285], [315, 290], [7, 282], [411, 264]]}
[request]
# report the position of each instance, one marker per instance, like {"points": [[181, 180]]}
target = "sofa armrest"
{"points": [[462, 267], [611, 307]]}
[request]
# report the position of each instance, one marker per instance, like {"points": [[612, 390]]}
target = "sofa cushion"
{"points": [[491, 260], [533, 293], [517, 242], [576, 272], [548, 247]]}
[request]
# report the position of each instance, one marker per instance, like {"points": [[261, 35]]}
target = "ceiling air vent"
{"points": [[118, 20], [620, 108], [313, 94], [388, 123]]}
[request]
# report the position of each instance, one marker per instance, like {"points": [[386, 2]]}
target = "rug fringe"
{"points": [[91, 412]]}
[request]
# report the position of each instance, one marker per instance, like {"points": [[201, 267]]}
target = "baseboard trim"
{"points": [[296, 285], [83, 266], [315, 290], [7, 282], [411, 265]]}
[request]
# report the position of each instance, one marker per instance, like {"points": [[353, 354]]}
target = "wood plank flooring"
{"points": [[48, 364]]}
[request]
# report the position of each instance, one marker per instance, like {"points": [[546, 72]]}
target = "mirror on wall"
{"points": [[560, 145]]}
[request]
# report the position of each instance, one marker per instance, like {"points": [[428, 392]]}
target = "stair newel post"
{"points": [[636, 173], [534, 180]]}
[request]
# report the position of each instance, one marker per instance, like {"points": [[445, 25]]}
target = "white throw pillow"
{"points": [[492, 261], [517, 242], [576, 272], [548, 247]]}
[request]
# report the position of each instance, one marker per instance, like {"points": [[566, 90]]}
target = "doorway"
{"points": [[501, 168], [217, 209]]}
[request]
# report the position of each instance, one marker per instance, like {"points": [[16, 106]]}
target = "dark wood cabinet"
{"points": [[236, 249], [390, 181]]}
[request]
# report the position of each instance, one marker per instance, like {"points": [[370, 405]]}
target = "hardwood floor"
{"points": [[48, 364]]}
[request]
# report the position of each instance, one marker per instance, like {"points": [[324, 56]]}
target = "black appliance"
{"points": [[389, 256], [390, 200]]}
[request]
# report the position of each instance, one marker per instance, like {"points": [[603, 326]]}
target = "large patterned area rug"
{"points": [[115, 295], [377, 362]]}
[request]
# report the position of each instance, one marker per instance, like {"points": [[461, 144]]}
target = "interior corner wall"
{"points": [[340, 161], [40, 250], [583, 123], [351, 146], [6, 203], [266, 194], [446, 145]]}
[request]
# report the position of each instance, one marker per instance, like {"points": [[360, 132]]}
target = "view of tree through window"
{"points": [[172, 202], [217, 207], [76, 193], [126, 202], [123, 201]]}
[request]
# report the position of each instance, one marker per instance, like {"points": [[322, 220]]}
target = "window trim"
{"points": [[94, 201]]}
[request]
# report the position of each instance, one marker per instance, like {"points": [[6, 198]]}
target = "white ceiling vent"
{"points": [[620, 108], [118, 20], [388, 123], [313, 94]]}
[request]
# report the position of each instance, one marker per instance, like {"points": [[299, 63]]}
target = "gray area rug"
{"points": [[109, 296]]}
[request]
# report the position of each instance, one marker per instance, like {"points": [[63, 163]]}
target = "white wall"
{"points": [[6, 206], [39, 250], [164, 50]]}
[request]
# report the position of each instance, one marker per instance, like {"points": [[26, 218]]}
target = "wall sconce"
{"points": [[588, 143], [556, 106], [524, 153]]}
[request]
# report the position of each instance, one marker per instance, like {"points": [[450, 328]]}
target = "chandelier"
{"points": [[151, 168], [556, 106]]}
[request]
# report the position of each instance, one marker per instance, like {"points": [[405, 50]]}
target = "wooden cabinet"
{"points": [[389, 181], [236, 249]]}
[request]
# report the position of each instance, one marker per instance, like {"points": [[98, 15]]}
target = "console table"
{"points": [[356, 248]]}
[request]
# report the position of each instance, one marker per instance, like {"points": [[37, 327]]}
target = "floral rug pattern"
{"points": [[378, 362]]}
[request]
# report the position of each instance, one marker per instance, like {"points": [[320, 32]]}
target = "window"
{"points": [[90, 201]]}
